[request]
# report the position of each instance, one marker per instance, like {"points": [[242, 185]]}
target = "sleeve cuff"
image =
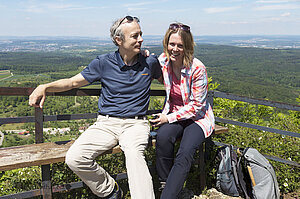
{"points": [[172, 117]]}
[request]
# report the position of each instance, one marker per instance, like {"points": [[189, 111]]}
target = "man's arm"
{"points": [[161, 79], [38, 96]]}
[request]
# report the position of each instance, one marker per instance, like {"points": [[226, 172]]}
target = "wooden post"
{"points": [[205, 149], [39, 125], [210, 98], [46, 182], [202, 168], [46, 175]]}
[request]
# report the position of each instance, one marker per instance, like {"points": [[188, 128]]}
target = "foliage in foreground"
{"points": [[267, 143]]}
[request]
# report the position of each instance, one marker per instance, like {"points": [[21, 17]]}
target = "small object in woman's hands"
{"points": [[153, 118]]}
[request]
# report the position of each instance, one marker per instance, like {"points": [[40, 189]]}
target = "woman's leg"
{"points": [[166, 138], [192, 138]]}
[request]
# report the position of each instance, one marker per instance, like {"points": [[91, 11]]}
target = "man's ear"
{"points": [[118, 40]]}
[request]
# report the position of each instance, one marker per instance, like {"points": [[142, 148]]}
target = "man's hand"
{"points": [[145, 53], [38, 96]]}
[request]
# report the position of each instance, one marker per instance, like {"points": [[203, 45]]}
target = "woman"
{"points": [[186, 114]]}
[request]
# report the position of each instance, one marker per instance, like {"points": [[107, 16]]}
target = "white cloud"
{"points": [[277, 1], [278, 7], [135, 9], [280, 18], [131, 7], [137, 4], [46, 7], [219, 9], [166, 11], [284, 17], [235, 22], [34, 9], [285, 14], [54, 6]]}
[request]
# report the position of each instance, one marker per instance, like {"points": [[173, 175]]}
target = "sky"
{"points": [[93, 18]]}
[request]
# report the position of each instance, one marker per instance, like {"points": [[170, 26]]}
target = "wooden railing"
{"points": [[48, 153]]}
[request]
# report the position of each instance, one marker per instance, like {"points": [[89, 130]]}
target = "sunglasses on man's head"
{"points": [[175, 26], [129, 19]]}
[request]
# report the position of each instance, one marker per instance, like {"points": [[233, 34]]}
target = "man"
{"points": [[125, 76]]}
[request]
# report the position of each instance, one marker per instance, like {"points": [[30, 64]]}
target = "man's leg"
{"points": [[97, 139], [133, 142]]}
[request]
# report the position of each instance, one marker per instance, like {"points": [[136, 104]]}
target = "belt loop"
{"points": [[136, 117], [107, 116]]}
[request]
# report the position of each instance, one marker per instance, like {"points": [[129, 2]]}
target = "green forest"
{"points": [[272, 74]]}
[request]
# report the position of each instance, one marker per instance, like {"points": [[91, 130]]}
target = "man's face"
{"points": [[133, 40]]}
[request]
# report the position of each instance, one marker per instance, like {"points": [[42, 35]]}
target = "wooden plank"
{"points": [[33, 155], [220, 129], [37, 154], [48, 153], [15, 91]]}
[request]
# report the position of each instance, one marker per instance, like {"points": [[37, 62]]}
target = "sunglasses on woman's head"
{"points": [[175, 26], [129, 19]]}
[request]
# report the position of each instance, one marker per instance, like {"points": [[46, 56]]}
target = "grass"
{"points": [[6, 127], [4, 74]]}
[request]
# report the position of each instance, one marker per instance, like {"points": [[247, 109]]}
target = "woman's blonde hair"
{"points": [[188, 44]]}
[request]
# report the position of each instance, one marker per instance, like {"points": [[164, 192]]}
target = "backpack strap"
{"points": [[240, 174]]}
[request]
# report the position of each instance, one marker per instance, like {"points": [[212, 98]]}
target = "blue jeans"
{"points": [[174, 170]]}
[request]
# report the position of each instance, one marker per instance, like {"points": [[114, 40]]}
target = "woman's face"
{"points": [[175, 48]]}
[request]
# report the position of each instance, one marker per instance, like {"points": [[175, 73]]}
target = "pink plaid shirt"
{"points": [[194, 87]]}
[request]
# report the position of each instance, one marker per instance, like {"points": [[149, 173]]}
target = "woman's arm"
{"points": [[197, 98]]}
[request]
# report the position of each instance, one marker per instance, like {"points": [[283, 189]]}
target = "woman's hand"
{"points": [[159, 119]]}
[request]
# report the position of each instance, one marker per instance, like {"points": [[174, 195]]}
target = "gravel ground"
{"points": [[211, 194], [214, 194]]}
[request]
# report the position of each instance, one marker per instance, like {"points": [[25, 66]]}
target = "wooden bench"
{"points": [[48, 153]]}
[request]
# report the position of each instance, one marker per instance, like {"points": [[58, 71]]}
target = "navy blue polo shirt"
{"points": [[125, 89]]}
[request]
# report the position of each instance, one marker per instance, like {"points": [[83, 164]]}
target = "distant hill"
{"points": [[255, 72], [51, 43], [272, 74], [258, 41]]}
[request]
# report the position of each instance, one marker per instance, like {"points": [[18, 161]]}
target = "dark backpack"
{"points": [[250, 175], [227, 177]]}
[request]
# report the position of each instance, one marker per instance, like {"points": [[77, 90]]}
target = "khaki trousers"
{"points": [[132, 136]]}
